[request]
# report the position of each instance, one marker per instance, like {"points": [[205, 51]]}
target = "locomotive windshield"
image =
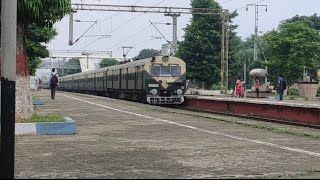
{"points": [[166, 71]]}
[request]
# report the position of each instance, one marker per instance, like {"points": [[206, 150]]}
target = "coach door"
{"points": [[142, 77], [136, 77], [95, 82]]}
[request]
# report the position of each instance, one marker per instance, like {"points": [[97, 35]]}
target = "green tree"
{"points": [[106, 62], [35, 36], [312, 21], [67, 71], [291, 47], [201, 48], [146, 53], [40, 14], [243, 53], [237, 60]]}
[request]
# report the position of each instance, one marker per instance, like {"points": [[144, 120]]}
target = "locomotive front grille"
{"points": [[165, 100]]}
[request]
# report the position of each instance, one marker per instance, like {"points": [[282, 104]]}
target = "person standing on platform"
{"points": [[238, 87], [257, 86], [53, 82], [39, 84], [281, 86]]}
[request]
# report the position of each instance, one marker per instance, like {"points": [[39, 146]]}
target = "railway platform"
{"points": [[122, 139], [291, 111]]}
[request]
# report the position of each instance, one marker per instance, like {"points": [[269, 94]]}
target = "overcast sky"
{"points": [[134, 29]]}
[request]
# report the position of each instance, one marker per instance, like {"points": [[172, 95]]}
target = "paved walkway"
{"points": [[120, 139]]}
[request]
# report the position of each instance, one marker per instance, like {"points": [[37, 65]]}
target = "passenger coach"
{"points": [[156, 80]]}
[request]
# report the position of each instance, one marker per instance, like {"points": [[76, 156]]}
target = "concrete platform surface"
{"points": [[120, 139]]}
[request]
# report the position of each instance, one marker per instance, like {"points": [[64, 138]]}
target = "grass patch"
{"points": [[34, 97], [280, 130], [45, 118]]}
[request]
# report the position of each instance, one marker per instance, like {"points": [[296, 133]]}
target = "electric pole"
{"points": [[255, 56], [225, 53], [71, 29], [87, 54], [256, 27], [8, 87], [175, 31]]}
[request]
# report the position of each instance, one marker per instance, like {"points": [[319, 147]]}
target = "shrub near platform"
{"points": [[36, 118], [293, 92]]}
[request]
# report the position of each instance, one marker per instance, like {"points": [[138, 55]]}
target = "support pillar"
{"points": [[8, 87]]}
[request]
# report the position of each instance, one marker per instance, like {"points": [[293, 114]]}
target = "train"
{"points": [[159, 80]]}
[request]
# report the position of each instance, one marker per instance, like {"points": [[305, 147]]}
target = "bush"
{"points": [[45, 118], [318, 92], [293, 92], [217, 87]]}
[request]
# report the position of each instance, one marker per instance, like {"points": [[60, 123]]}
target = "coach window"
{"points": [[155, 70], [175, 70], [165, 71]]}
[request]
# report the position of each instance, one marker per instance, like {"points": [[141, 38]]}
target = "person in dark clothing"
{"points": [[54, 79], [39, 84], [281, 86]]}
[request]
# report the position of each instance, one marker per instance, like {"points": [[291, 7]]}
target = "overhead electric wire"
{"points": [[150, 39], [226, 1], [85, 32], [103, 20], [246, 5], [143, 28], [134, 18], [99, 22], [115, 46], [122, 25], [160, 32]]}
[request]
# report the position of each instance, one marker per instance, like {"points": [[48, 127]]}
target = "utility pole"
{"points": [[8, 87], [255, 56], [256, 27], [71, 20], [224, 52], [175, 31], [71, 29], [87, 54]]}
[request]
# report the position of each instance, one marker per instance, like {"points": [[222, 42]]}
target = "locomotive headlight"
{"points": [[154, 92], [165, 59], [179, 91]]}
